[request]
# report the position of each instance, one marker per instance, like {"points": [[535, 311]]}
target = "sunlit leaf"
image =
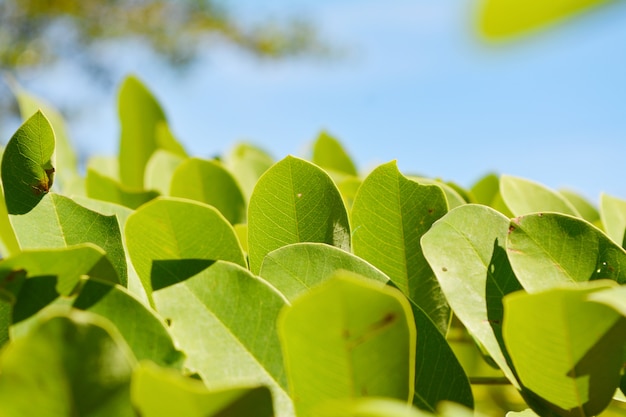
{"points": [[550, 249], [171, 239], [104, 188], [224, 319], [293, 269], [158, 392], [27, 169], [389, 216], [582, 205], [295, 201], [209, 182], [613, 215], [160, 169], [65, 155], [523, 196], [247, 163], [348, 338], [142, 131], [466, 250], [565, 349], [59, 222], [329, 154]]}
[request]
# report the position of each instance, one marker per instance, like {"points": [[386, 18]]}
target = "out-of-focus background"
{"points": [[441, 86]]}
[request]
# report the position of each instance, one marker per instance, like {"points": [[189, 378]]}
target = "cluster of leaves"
{"points": [[161, 284]]}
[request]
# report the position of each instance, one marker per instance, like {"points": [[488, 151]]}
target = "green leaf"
{"points": [[224, 318], [247, 163], [296, 268], [295, 201], [506, 18], [523, 196], [348, 338], [466, 251], [146, 334], [329, 154], [526, 413], [370, 407], [293, 269], [584, 207], [134, 285], [566, 350], [487, 191], [27, 170], [157, 392], [68, 264], [348, 187], [550, 249], [101, 187], [453, 197], [67, 366], [140, 117], [209, 182], [438, 374], [65, 156], [6, 318], [171, 239], [160, 169], [166, 141], [389, 216], [59, 222], [8, 241], [613, 215]]}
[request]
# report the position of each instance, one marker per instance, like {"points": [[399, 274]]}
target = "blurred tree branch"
{"points": [[29, 30]]}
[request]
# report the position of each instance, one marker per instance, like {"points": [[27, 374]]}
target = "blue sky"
{"points": [[417, 84]]}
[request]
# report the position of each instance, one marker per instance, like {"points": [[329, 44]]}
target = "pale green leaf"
{"points": [[389, 216], [525, 413], [247, 163], [105, 165], [166, 141], [171, 239], [466, 251], [348, 338], [582, 205], [453, 197], [139, 114], [58, 222], [330, 155], [209, 182], [613, 215], [549, 249], [486, 191], [224, 319], [565, 349], [295, 268], [101, 187], [158, 392], [295, 201], [160, 169], [27, 169], [348, 187], [506, 18], [523, 196], [69, 366]]}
